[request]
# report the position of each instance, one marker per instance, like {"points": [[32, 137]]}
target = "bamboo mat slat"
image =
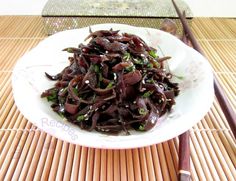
{"points": [[27, 153], [13, 50], [218, 64], [226, 52], [31, 27], [214, 28]]}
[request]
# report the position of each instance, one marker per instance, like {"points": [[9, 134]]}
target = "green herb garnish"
{"points": [[138, 61], [127, 56], [100, 77], [75, 91], [150, 65], [96, 68], [151, 81], [147, 94], [53, 96], [142, 111], [130, 68], [141, 127], [153, 54], [110, 84], [80, 118]]}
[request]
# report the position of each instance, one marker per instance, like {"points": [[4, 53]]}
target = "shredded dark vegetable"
{"points": [[114, 83]]}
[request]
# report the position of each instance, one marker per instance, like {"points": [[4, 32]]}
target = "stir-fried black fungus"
{"points": [[114, 83]]}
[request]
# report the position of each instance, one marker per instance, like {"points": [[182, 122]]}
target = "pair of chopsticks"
{"points": [[184, 148]]}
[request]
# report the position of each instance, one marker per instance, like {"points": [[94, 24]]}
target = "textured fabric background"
{"points": [[141, 8], [61, 15]]}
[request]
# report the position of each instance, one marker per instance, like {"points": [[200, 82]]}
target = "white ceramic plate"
{"points": [[192, 104]]}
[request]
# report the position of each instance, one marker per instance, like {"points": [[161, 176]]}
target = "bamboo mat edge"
{"points": [[26, 152]]}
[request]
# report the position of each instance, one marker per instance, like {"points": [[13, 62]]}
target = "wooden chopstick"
{"points": [[184, 149], [220, 95], [184, 173], [184, 157]]}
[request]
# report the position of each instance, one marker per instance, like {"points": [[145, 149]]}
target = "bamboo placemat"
{"points": [[27, 153]]}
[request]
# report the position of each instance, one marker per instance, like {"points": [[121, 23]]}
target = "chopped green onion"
{"points": [[130, 68], [153, 54], [80, 118], [141, 127], [96, 68], [141, 61], [110, 84], [53, 96], [138, 61], [142, 111], [150, 81], [150, 65], [75, 91], [147, 94], [126, 56], [100, 77]]}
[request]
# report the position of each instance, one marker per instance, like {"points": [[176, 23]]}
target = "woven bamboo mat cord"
{"points": [[28, 153]]}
